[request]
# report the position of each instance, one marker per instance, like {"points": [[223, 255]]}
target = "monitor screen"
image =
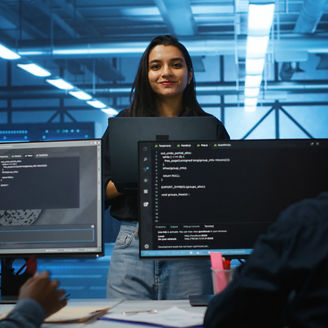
{"points": [[197, 197], [125, 132], [51, 197]]}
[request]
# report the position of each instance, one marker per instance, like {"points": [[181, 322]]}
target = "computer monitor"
{"points": [[51, 198], [203, 196], [126, 132]]}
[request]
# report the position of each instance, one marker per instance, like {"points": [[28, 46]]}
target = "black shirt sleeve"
{"points": [[106, 161]]}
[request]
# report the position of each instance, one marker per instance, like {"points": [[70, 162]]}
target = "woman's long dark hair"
{"points": [[143, 98]]}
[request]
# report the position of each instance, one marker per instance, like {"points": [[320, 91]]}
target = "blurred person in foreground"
{"points": [[284, 283]]}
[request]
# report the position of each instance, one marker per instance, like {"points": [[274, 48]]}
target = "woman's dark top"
{"points": [[125, 207]]}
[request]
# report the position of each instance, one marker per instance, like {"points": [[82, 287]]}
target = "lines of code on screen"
{"points": [[222, 195], [37, 180]]}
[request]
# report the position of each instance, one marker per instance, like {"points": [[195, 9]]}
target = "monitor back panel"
{"points": [[202, 196], [126, 132]]}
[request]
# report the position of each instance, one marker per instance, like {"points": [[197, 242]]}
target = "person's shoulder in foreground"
{"points": [[284, 282], [38, 298]]}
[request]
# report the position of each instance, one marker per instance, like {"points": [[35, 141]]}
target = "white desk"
{"points": [[125, 306]]}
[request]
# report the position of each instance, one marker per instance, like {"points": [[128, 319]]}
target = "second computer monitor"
{"points": [[51, 199], [202, 196]]}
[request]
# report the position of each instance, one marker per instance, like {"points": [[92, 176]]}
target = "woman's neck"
{"points": [[169, 107]]}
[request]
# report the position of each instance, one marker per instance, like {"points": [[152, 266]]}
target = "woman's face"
{"points": [[167, 71]]}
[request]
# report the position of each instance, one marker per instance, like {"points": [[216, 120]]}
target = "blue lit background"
{"points": [[96, 45]]}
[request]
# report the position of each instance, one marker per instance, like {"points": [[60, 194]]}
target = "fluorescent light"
{"points": [[100, 51], [250, 101], [254, 66], [260, 18], [6, 53], [110, 111], [96, 104], [60, 84], [253, 81], [34, 69], [256, 46], [250, 108], [119, 90], [138, 11], [79, 94], [251, 92]]}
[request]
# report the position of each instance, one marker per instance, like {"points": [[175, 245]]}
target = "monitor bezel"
{"points": [[67, 252], [238, 253]]}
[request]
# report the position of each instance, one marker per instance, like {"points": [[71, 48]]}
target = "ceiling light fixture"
{"points": [[60, 84], [251, 101], [106, 50], [253, 81], [254, 66], [34, 69], [8, 54], [249, 109], [251, 92], [96, 103], [260, 17], [79, 94], [110, 111], [256, 46]]}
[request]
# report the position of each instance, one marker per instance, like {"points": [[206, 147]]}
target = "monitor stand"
{"points": [[12, 281]]}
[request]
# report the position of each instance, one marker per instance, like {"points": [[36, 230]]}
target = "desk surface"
{"points": [[125, 306]]}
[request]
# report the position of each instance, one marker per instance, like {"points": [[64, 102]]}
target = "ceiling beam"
{"points": [[202, 88], [73, 11], [46, 9], [178, 16], [11, 15], [297, 105], [310, 16], [311, 44]]}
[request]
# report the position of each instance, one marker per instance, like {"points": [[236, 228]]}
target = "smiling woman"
{"points": [[168, 77], [167, 51], [164, 86]]}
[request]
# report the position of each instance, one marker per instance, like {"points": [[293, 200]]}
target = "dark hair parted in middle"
{"points": [[143, 98]]}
